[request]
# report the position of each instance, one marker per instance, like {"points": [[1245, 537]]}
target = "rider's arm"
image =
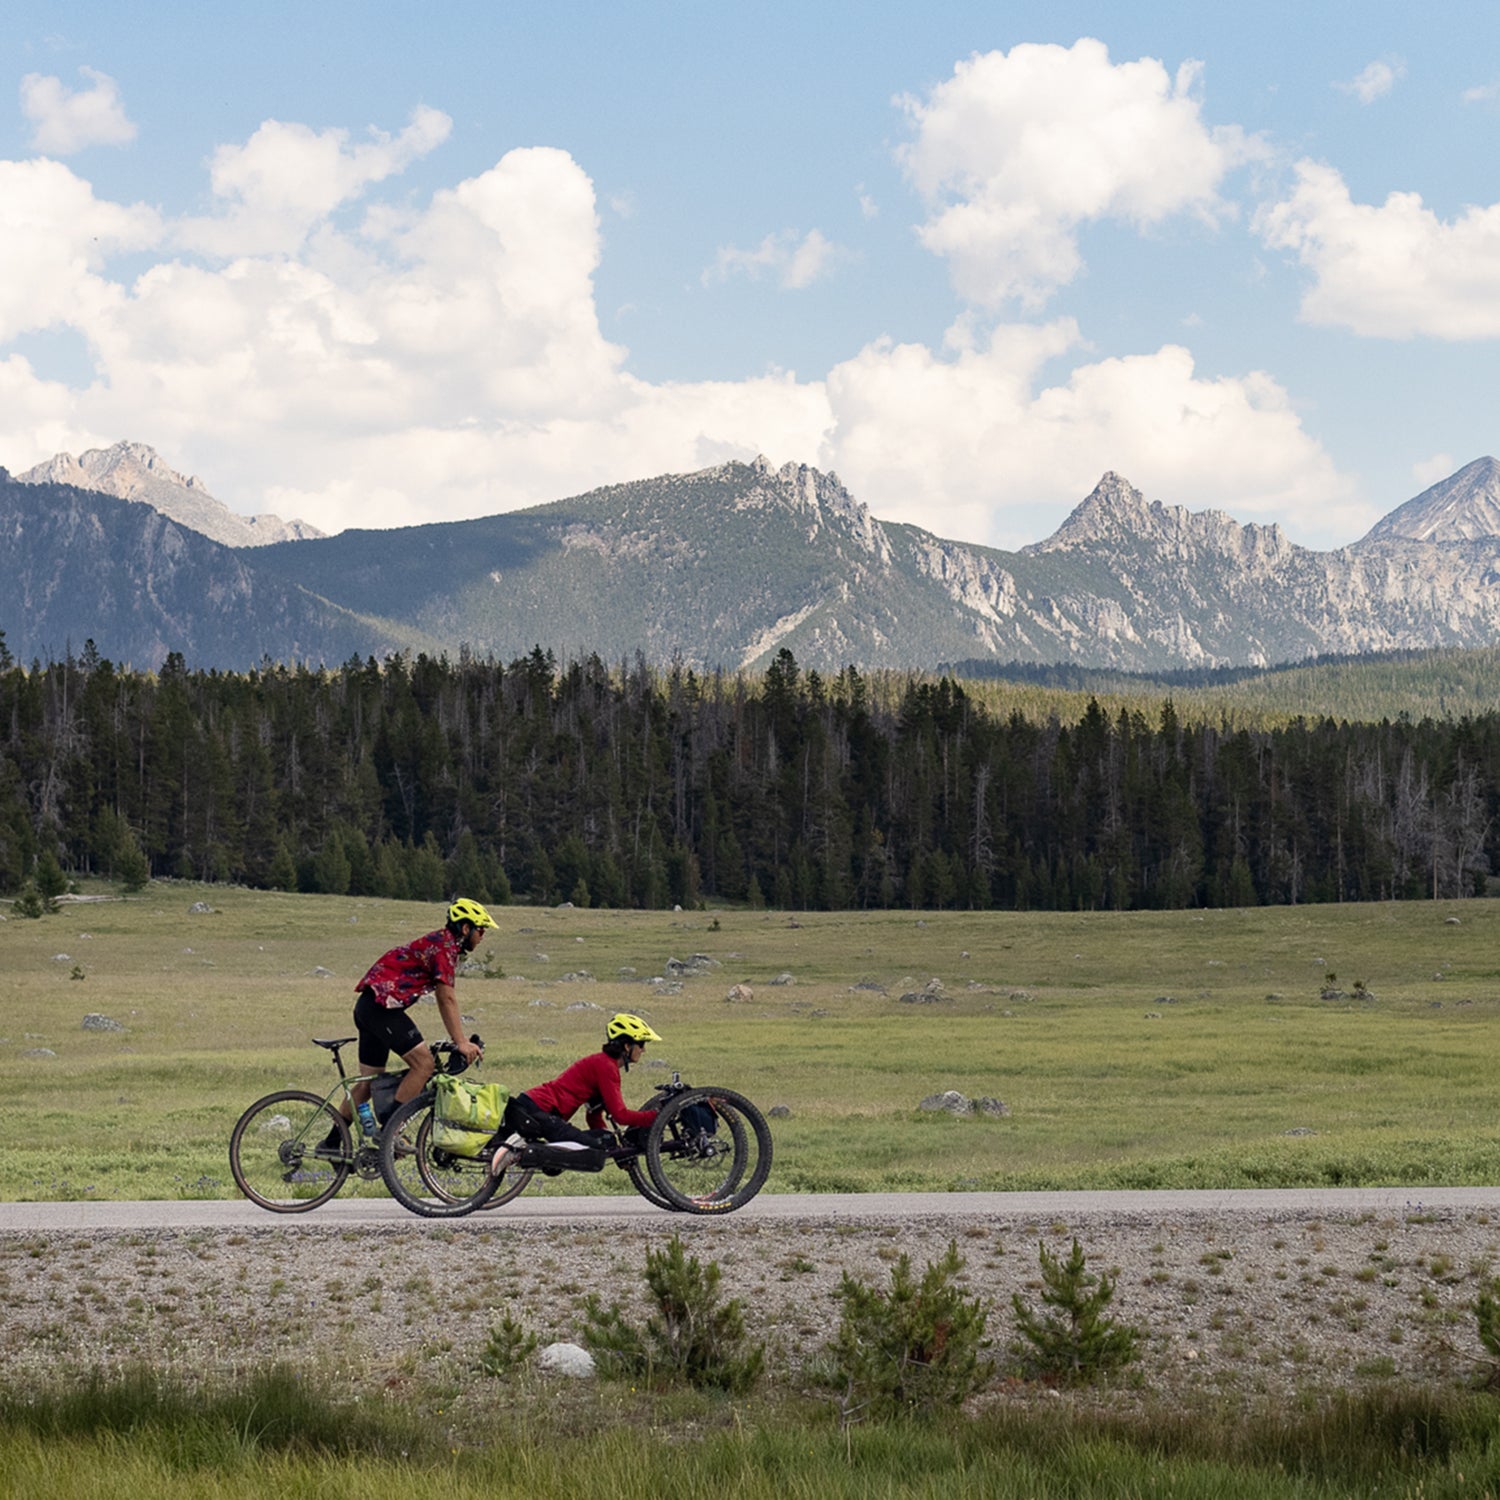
{"points": [[447, 1002], [614, 1101]]}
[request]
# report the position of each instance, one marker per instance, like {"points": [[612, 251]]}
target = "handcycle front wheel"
{"points": [[640, 1180], [708, 1151], [274, 1152], [444, 1186]]}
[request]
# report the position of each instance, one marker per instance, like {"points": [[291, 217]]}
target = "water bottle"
{"points": [[367, 1120]]}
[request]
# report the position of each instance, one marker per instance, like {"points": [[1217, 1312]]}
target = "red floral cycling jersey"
{"points": [[401, 977]]}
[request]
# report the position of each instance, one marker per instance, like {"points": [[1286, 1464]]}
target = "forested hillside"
{"points": [[632, 787]]}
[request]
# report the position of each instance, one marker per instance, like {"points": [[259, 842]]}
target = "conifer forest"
{"points": [[635, 786]]}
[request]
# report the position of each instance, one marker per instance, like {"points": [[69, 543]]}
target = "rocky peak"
{"points": [[134, 471], [1116, 513], [1113, 505], [820, 496], [1464, 507], [129, 471]]}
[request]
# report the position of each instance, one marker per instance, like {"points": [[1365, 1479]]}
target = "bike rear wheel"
{"points": [[444, 1186], [273, 1152], [703, 1171]]}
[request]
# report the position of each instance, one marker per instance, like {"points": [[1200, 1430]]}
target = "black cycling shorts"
{"points": [[382, 1031]]}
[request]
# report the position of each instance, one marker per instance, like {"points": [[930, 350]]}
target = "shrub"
{"points": [[509, 1346], [30, 904], [1487, 1319], [50, 880], [1077, 1341], [692, 1336], [913, 1349]]}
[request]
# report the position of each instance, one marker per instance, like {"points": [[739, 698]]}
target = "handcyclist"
{"points": [[544, 1111], [396, 981]]}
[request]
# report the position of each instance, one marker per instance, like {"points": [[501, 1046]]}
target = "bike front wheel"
{"points": [[443, 1186], [278, 1155], [708, 1151]]}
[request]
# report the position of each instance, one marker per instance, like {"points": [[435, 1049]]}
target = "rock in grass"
{"points": [[930, 994], [95, 1022], [739, 994], [950, 1100], [571, 1360]]}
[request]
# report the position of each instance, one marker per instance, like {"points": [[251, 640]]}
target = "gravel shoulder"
{"points": [[1244, 1300]]}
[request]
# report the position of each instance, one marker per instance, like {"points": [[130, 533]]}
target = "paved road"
{"points": [[1073, 1208]]}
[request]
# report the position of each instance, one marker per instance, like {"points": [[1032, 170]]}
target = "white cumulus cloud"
{"points": [[1390, 270], [974, 445], [1018, 150], [57, 242], [66, 120], [1431, 470], [1374, 81], [443, 359], [795, 262], [286, 179]]}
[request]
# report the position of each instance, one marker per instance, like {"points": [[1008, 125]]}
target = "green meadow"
{"points": [[1188, 1049]]}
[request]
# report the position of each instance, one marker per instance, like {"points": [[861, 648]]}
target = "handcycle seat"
{"points": [[553, 1157]]}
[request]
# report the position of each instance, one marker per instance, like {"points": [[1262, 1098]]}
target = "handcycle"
{"points": [[277, 1150], [708, 1151]]}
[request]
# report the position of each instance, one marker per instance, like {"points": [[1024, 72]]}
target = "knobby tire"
{"points": [[714, 1173], [442, 1194], [272, 1152]]}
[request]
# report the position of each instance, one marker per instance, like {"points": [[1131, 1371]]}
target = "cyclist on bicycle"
{"points": [[396, 981], [544, 1112]]}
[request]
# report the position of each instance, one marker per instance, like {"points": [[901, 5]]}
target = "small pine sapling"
{"points": [[508, 1347], [1077, 1340], [914, 1349], [692, 1336], [1487, 1319]]}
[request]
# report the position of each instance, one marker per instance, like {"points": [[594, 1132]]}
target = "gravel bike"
{"points": [[708, 1151], [292, 1151]]}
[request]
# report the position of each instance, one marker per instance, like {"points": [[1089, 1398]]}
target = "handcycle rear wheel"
{"points": [[273, 1152], [445, 1186], [708, 1172]]}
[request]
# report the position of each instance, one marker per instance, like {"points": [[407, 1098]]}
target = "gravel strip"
{"points": [[1248, 1304]]}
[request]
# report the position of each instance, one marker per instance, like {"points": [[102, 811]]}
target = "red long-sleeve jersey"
{"points": [[592, 1082]]}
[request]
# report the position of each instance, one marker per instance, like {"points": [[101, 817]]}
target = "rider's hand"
{"points": [[469, 1051]]}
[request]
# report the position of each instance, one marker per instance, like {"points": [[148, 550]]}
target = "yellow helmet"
{"points": [[464, 910], [631, 1028]]}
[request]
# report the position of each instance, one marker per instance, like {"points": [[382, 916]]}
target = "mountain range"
{"points": [[724, 567]]}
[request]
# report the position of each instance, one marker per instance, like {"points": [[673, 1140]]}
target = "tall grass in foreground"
{"points": [[279, 1436]]}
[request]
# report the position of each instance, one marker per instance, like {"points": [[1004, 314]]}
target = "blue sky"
{"points": [[369, 265]]}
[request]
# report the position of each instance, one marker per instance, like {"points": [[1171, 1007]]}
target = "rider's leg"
{"points": [[381, 1032], [419, 1070]]}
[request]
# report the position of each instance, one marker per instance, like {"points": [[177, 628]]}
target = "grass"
{"points": [[279, 1434], [1181, 1049]]}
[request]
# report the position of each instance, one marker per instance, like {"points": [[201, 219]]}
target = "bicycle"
{"points": [[708, 1151], [277, 1150]]}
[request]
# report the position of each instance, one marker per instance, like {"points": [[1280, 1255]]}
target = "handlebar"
{"points": [[449, 1059]]}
